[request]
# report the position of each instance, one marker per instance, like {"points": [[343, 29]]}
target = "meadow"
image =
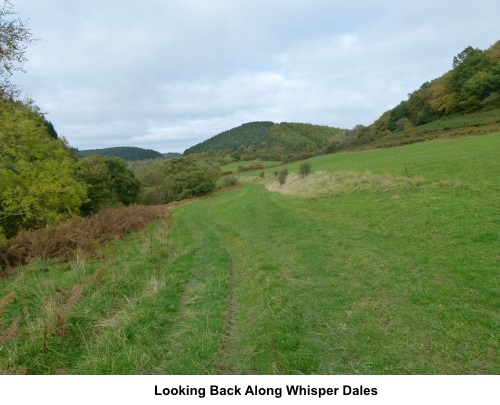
{"points": [[394, 270], [235, 165]]}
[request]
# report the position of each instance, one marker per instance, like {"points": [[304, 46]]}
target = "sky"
{"points": [[168, 74]]}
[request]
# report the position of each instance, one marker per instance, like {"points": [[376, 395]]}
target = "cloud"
{"points": [[166, 75]]}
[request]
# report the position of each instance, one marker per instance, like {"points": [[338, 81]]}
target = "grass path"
{"points": [[359, 283]]}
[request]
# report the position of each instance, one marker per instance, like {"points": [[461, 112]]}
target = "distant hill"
{"points": [[129, 153], [269, 141], [464, 99], [172, 155]]}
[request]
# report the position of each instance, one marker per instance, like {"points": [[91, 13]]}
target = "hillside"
{"points": [[393, 271], [172, 155], [269, 141], [464, 97], [129, 153]]}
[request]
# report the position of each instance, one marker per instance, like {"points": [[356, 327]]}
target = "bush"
{"points": [[282, 175], [230, 180], [255, 165], [177, 179], [80, 235], [151, 197], [188, 185], [305, 169]]}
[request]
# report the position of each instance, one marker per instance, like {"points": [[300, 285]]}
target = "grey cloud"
{"points": [[168, 74]]}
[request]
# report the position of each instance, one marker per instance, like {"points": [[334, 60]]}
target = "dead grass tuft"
{"points": [[323, 184], [10, 332], [19, 370], [66, 301], [58, 310], [5, 302]]}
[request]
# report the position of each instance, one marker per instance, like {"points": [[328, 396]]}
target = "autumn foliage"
{"points": [[79, 236]]}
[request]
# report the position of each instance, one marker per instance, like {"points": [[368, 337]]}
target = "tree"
{"points": [[176, 179], [397, 113], [186, 178], [282, 175], [14, 39], [464, 55], [38, 175], [475, 77], [305, 169], [109, 181]]}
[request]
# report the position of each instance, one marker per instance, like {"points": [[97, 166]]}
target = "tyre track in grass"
{"points": [[258, 321], [192, 344], [224, 365]]}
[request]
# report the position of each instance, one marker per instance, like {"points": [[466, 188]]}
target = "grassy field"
{"points": [[233, 167], [384, 277]]}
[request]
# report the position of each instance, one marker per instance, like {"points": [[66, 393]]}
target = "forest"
{"points": [[266, 140], [129, 153]]}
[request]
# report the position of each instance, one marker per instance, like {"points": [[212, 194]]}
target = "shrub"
{"points": [[188, 185], [255, 165], [282, 175], [187, 178], [230, 180], [305, 169]]}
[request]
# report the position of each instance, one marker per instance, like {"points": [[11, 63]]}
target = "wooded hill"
{"points": [[471, 89], [129, 153], [172, 155], [269, 141]]}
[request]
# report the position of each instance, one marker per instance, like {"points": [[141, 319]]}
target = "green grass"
{"points": [[471, 159], [249, 281], [233, 167]]}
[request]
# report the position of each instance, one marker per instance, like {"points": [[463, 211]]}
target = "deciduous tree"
{"points": [[15, 36], [38, 175]]}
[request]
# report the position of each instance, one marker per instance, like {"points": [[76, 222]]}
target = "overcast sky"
{"points": [[167, 74]]}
